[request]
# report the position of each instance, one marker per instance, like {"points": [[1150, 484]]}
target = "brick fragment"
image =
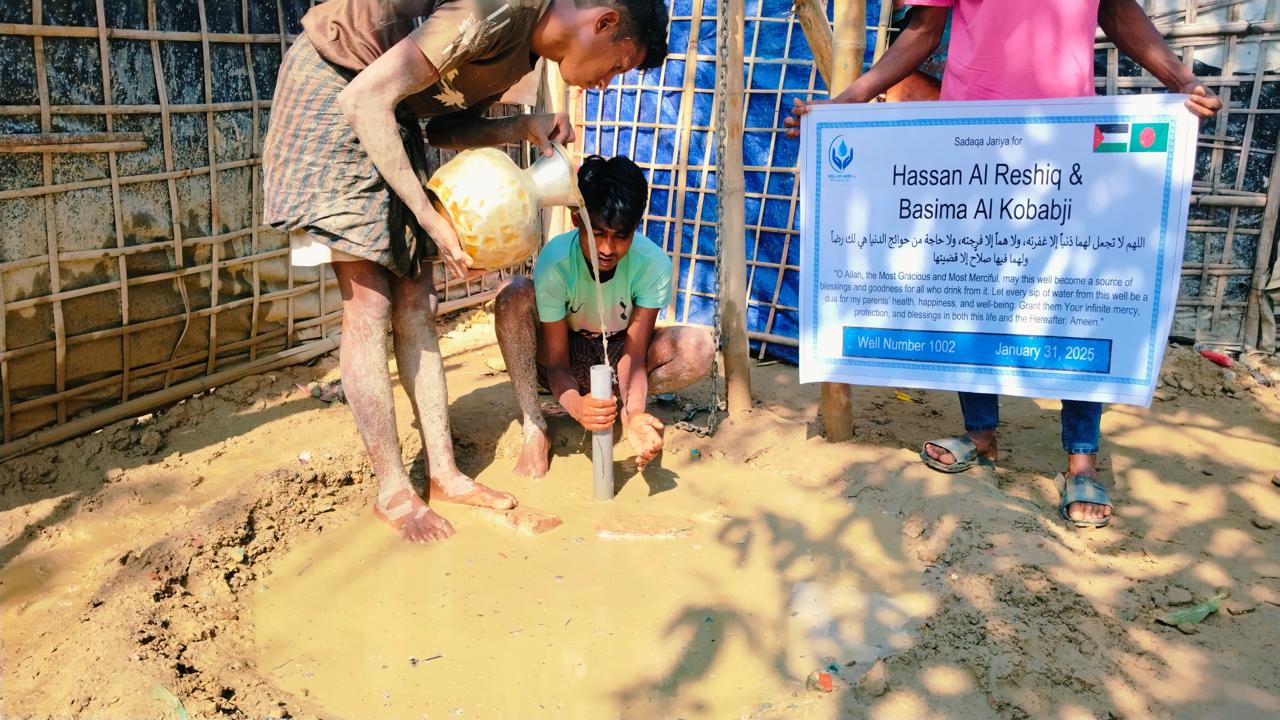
{"points": [[644, 527], [526, 520]]}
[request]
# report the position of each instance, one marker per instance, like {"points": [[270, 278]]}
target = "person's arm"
{"points": [[913, 46], [460, 131], [644, 431], [920, 38], [369, 102], [1127, 25], [553, 350]]}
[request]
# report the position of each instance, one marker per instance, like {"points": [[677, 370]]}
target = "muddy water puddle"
{"points": [[568, 624], [105, 521]]}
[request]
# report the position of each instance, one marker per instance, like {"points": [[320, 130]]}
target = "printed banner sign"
{"points": [[1023, 247]]}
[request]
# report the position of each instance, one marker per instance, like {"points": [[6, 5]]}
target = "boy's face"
{"points": [[594, 57], [611, 244]]}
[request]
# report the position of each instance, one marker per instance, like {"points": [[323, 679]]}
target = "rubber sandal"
{"points": [[965, 452], [1086, 489]]}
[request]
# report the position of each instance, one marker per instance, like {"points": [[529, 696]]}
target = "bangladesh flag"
{"points": [[1126, 137], [1149, 137], [1110, 138]]}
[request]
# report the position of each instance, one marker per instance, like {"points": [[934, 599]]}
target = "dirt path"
{"points": [[221, 554]]}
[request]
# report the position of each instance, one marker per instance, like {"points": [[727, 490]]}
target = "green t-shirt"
{"points": [[565, 288]]}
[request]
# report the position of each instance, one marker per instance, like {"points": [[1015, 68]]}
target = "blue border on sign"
{"points": [[1048, 120]]}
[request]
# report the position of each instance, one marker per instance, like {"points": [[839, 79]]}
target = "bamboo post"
{"points": [[166, 136], [122, 266], [883, 29], [684, 122], [812, 16], [107, 142], [733, 243], [1259, 333], [848, 45], [51, 230], [255, 214], [6, 422], [215, 207]]}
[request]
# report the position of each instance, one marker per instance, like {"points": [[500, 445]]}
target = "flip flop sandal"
{"points": [[1082, 488], [965, 452]]}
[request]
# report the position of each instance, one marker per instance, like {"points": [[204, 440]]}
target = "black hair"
{"points": [[614, 191], [644, 21]]}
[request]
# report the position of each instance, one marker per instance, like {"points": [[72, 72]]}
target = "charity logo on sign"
{"points": [[839, 154], [839, 161]]}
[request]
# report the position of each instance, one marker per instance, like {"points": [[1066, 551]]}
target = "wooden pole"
{"points": [[72, 142], [812, 16], [882, 30], [848, 45], [684, 121], [733, 233], [1259, 334]]}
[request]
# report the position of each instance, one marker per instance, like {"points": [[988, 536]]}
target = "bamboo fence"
{"points": [[1234, 47], [662, 120], [134, 265]]}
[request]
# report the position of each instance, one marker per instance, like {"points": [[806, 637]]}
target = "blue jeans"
{"points": [[1081, 420]]}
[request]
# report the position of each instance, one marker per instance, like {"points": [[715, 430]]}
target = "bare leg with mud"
{"points": [[366, 380], [421, 366], [678, 356], [516, 320]]}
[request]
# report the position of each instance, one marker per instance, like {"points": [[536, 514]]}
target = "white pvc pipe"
{"points": [[602, 440]]}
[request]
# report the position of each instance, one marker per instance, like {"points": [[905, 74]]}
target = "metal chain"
{"points": [[715, 404]]}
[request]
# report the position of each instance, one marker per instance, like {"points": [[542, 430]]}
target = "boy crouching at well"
{"points": [[549, 328]]}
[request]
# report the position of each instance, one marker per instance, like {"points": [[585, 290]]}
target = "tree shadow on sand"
{"points": [[965, 596]]}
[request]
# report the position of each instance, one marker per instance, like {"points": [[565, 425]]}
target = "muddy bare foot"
{"points": [[534, 460], [985, 441], [408, 515], [465, 491]]}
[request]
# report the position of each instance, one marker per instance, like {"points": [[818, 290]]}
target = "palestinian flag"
{"points": [[1111, 138], [1125, 137]]}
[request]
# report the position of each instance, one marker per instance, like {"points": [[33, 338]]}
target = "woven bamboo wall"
{"points": [[133, 258], [1234, 47], [663, 120]]}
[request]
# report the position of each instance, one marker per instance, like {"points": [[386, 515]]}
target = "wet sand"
{"points": [[223, 550]]}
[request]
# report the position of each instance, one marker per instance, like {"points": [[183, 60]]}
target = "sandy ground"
{"points": [[219, 558]]}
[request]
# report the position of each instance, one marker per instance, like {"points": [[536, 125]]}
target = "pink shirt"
{"points": [[1018, 49]]}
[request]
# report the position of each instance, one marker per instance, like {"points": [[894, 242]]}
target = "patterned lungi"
{"points": [[586, 350], [317, 178]]}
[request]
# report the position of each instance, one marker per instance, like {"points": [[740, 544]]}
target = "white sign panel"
{"points": [[1023, 247]]}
